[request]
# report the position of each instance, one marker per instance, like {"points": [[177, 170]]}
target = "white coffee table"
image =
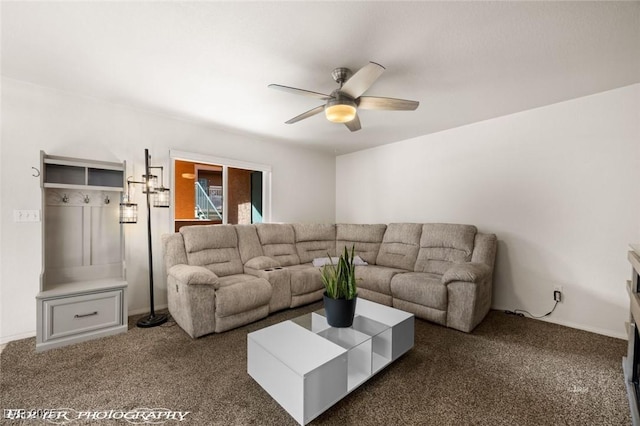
{"points": [[307, 365]]}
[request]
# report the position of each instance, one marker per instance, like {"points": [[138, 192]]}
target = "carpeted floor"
{"points": [[509, 371]]}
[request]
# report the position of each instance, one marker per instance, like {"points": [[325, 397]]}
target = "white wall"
{"points": [[36, 118], [559, 185]]}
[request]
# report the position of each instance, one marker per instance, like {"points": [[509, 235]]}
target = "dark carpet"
{"points": [[509, 371]]}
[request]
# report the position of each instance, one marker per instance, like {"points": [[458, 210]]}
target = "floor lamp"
{"points": [[129, 214]]}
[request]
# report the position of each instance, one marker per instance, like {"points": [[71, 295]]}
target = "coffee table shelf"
{"points": [[307, 365]]}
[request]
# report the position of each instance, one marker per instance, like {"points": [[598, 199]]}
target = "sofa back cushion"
{"points": [[442, 244], [484, 249], [400, 244], [365, 238], [248, 242], [213, 246], [314, 240], [174, 253], [278, 241]]}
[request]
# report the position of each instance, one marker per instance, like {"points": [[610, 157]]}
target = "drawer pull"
{"points": [[86, 315]]}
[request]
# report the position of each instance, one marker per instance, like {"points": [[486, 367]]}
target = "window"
{"points": [[213, 190]]}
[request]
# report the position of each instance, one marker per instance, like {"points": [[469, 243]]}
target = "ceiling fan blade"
{"points": [[354, 125], [307, 114], [362, 80], [393, 104], [300, 91]]}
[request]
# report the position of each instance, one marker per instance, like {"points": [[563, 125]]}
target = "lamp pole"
{"points": [[152, 319]]}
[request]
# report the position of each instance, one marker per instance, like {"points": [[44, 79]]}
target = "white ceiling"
{"points": [[212, 61]]}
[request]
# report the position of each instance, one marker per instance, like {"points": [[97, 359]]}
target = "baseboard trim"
{"points": [[7, 339], [596, 330], [146, 310]]}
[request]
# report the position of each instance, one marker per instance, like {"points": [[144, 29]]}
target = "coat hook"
{"points": [[37, 171], [107, 200], [86, 199]]}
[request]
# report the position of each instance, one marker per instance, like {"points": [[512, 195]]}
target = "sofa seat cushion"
{"points": [[420, 288], [241, 293], [305, 279], [376, 278]]}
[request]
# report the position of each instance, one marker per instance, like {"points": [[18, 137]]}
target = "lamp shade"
{"points": [[151, 183], [128, 212], [340, 110], [161, 197]]}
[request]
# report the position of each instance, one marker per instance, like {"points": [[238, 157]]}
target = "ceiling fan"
{"points": [[342, 104]]}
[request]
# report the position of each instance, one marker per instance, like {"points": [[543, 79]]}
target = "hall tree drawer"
{"points": [[81, 314]]}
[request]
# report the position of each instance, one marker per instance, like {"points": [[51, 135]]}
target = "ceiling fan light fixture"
{"points": [[342, 104], [340, 110]]}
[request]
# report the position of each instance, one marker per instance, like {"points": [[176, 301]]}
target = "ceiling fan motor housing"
{"points": [[340, 75]]}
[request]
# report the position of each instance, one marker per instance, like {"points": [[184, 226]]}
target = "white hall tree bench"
{"points": [[83, 291]]}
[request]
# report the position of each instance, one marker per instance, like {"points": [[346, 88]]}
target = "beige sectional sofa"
{"points": [[224, 276]]}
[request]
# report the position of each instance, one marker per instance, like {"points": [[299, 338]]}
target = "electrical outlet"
{"points": [[557, 293], [557, 296]]}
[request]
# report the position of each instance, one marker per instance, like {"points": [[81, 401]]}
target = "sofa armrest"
{"points": [[468, 272], [194, 275]]}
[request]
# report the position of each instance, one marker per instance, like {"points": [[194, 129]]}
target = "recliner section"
{"points": [[224, 276], [211, 292]]}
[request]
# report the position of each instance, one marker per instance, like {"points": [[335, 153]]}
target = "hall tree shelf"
{"points": [[83, 291]]}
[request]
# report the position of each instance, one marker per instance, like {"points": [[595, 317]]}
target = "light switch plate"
{"points": [[26, 215]]}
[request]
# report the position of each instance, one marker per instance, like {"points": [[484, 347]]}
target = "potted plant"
{"points": [[340, 290]]}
